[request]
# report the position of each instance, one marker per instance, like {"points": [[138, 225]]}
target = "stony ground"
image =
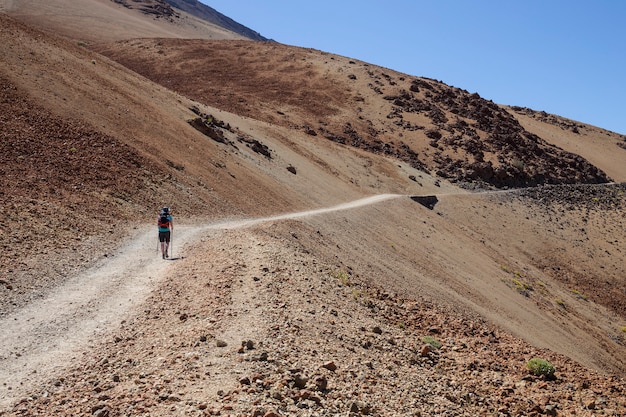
{"points": [[252, 322]]}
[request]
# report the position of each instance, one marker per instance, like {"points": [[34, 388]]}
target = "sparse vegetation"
{"points": [[579, 295], [542, 288], [540, 367], [521, 285], [432, 341], [357, 294], [343, 278], [518, 164], [517, 280]]}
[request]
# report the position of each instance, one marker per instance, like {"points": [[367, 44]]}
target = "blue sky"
{"points": [[565, 57]]}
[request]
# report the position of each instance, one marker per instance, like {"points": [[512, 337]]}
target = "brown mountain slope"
{"points": [[211, 15], [86, 139], [602, 148], [497, 278], [98, 20], [457, 135]]}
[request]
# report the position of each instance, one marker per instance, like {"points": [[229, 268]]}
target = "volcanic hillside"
{"points": [[493, 234], [450, 132]]}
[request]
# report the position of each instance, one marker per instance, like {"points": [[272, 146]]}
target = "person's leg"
{"points": [[162, 240], [167, 244]]}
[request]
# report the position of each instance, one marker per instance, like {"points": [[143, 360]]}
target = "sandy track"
{"points": [[40, 340]]}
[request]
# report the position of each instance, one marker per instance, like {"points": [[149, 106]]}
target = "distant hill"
{"points": [[112, 20], [202, 11]]}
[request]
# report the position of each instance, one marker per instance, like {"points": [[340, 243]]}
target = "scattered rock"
{"points": [[426, 350], [330, 365]]}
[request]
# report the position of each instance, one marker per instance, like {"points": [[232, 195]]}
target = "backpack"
{"points": [[163, 221]]}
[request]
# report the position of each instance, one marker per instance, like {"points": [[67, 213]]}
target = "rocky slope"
{"points": [[394, 309], [209, 14], [268, 326], [459, 136]]}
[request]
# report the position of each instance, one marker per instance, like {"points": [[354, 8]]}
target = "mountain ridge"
{"points": [[167, 9], [208, 13]]}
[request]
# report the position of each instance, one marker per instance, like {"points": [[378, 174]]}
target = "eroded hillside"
{"points": [[448, 131], [90, 149]]}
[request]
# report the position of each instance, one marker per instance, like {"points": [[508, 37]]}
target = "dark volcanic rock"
{"points": [[483, 128]]}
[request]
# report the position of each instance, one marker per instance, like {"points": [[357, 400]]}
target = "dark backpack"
{"points": [[164, 221]]}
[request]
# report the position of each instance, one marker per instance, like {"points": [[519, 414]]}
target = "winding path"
{"points": [[39, 340]]}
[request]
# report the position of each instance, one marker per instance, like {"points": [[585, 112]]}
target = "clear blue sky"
{"points": [[565, 57]]}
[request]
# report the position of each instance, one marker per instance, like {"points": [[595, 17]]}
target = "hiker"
{"points": [[166, 227]]}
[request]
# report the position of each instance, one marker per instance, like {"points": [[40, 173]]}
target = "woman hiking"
{"points": [[166, 227]]}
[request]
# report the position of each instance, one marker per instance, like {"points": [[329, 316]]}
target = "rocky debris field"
{"points": [[577, 196], [156, 8], [253, 323], [594, 213], [489, 144]]}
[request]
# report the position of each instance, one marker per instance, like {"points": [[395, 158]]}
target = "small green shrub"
{"points": [[518, 164], [343, 278], [432, 341], [521, 285], [540, 367], [357, 294], [517, 280], [624, 329]]}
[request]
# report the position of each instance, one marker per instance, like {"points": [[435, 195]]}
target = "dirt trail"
{"points": [[40, 340]]}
